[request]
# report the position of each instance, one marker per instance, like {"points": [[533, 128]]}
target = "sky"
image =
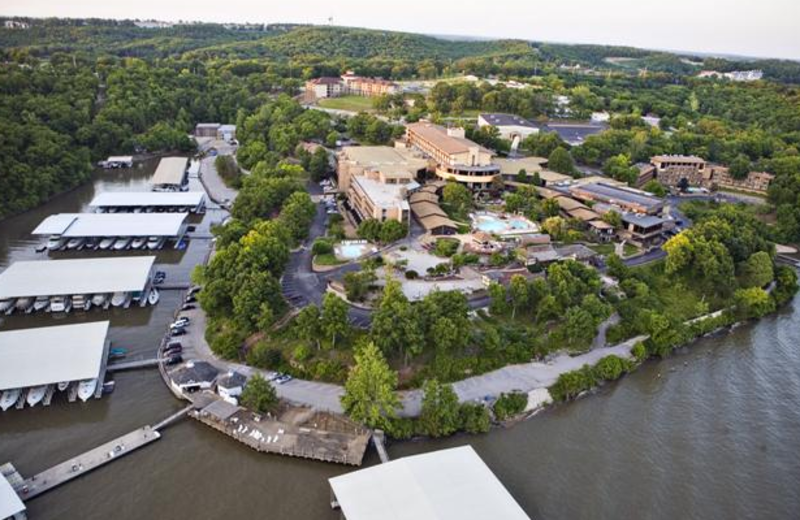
{"points": [[763, 28]]}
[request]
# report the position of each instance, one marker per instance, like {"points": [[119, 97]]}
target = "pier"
{"points": [[30, 488], [133, 365], [378, 438]]}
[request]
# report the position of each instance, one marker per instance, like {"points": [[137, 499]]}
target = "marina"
{"points": [[105, 231], [60, 286], [37, 363], [149, 202]]}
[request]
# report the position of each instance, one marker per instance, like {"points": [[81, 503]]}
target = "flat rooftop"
{"points": [[385, 158], [437, 135], [83, 276], [170, 170], [386, 195], [574, 133], [612, 194], [48, 355], [136, 199], [507, 120], [113, 225], [10, 503], [453, 484]]}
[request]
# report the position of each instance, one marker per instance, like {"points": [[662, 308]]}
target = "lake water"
{"points": [[712, 432]]}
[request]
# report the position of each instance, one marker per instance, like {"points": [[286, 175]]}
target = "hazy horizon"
{"points": [[740, 28]]}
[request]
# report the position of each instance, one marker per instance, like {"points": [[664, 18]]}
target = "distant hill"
{"points": [[290, 41]]}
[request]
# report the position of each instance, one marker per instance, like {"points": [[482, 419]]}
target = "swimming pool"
{"points": [[491, 223], [352, 250]]}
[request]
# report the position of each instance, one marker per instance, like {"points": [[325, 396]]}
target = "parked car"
{"points": [[188, 307], [174, 359], [191, 228], [285, 378], [190, 299], [180, 331], [273, 376]]}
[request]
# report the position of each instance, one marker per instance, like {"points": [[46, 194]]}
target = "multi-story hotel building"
{"points": [[456, 157], [349, 84], [670, 169], [378, 179]]}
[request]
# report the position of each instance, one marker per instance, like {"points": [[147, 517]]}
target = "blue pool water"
{"points": [[491, 224], [350, 251]]}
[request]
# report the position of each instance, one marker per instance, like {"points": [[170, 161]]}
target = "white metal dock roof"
{"points": [[453, 484], [10, 503], [170, 170], [112, 225], [68, 277], [47, 355], [147, 198]]}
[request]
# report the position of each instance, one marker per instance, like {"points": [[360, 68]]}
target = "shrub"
{"points": [[401, 428], [264, 356], [446, 247], [411, 274], [322, 247], [474, 418], [570, 384], [509, 405], [302, 353], [611, 368], [639, 352]]}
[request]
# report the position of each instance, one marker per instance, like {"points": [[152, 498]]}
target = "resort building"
{"points": [[574, 133], [445, 484], [456, 157], [627, 199], [426, 209], [510, 168], [642, 230], [349, 84], [368, 87], [510, 126], [378, 179], [324, 87], [671, 169]]}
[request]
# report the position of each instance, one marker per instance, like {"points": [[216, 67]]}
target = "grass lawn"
{"points": [[327, 259], [352, 103]]}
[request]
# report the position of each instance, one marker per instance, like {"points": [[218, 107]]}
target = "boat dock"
{"points": [[378, 438], [82, 464], [75, 467], [133, 365]]}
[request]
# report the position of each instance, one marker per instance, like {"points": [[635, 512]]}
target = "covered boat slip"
{"points": [[52, 355], [149, 201], [170, 174], [130, 278], [118, 225], [442, 485]]}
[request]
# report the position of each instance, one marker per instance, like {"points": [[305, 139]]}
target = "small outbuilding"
{"points": [[231, 385], [193, 377]]}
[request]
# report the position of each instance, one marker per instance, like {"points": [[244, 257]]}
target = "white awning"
{"points": [[69, 277], [452, 484], [49, 355], [134, 199], [94, 225]]}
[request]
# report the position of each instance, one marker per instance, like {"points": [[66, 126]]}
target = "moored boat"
{"points": [[23, 304], [98, 300], [138, 242], [153, 297], [41, 303], [60, 304], [75, 243], [154, 243], [120, 298], [86, 389], [55, 243], [6, 304], [106, 243], [63, 385], [81, 302], [9, 398], [35, 395], [122, 243]]}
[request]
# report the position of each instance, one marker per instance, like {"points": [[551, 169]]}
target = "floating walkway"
{"points": [[75, 467]]}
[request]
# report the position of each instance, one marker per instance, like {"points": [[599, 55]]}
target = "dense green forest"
{"points": [[75, 91]]}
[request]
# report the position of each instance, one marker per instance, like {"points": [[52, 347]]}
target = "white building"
{"points": [[442, 485], [230, 386], [510, 126], [193, 376], [600, 117]]}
